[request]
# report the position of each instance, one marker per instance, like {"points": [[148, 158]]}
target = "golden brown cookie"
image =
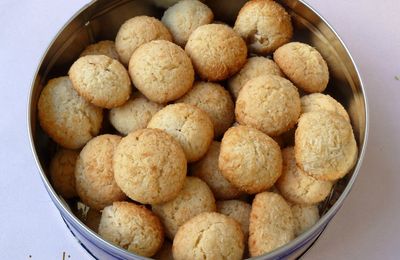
{"points": [[269, 103], [194, 198], [165, 252], [143, 167], [239, 211], [161, 70], [215, 101], [106, 48], [94, 173], [209, 236], [249, 159], [265, 25], [271, 223], [132, 227], [65, 116], [100, 80], [189, 125], [318, 101], [303, 65], [217, 52], [137, 31], [325, 146], [304, 217]]}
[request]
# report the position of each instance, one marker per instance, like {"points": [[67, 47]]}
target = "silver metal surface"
{"points": [[101, 19]]}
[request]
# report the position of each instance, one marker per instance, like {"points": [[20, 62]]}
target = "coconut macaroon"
{"points": [[101, 80], [65, 116], [325, 146], [143, 167], [106, 48], [132, 227], [137, 31], [207, 170], [250, 159], [254, 67], [303, 65], [194, 198], [318, 101], [215, 101], [189, 125], [265, 26], [184, 17], [269, 103], [304, 216], [134, 114], [94, 173], [297, 186], [161, 70], [209, 235], [62, 176], [239, 211], [217, 51], [271, 223]]}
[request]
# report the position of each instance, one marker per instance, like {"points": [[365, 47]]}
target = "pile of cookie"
{"points": [[216, 151]]}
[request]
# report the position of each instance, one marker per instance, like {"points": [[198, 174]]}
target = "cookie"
{"points": [[101, 80], [165, 252], [271, 223], [265, 26], [184, 17], [209, 236], [106, 48], [304, 217], [143, 167], [297, 186], [161, 70], [249, 159], [137, 31], [94, 173], [254, 67], [217, 52], [189, 125], [239, 211], [318, 101], [269, 103], [132, 227], [134, 114], [207, 170], [325, 146], [303, 65], [215, 101], [65, 116], [62, 168], [194, 198]]}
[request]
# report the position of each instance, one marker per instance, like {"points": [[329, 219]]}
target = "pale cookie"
{"points": [[134, 114], [239, 211], [254, 67], [101, 80], [265, 25], [304, 217], [249, 159], [106, 48], [184, 17], [215, 101], [271, 223], [132, 227], [62, 168], [217, 52], [325, 146], [317, 101], [65, 116], [150, 166], [94, 173], [209, 236], [207, 170], [137, 31], [189, 125], [194, 198], [303, 65], [161, 70], [297, 186], [165, 252], [269, 103]]}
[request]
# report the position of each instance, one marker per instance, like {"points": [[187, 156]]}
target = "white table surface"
{"points": [[367, 226]]}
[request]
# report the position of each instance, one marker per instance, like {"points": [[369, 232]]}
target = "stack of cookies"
{"points": [[222, 142]]}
